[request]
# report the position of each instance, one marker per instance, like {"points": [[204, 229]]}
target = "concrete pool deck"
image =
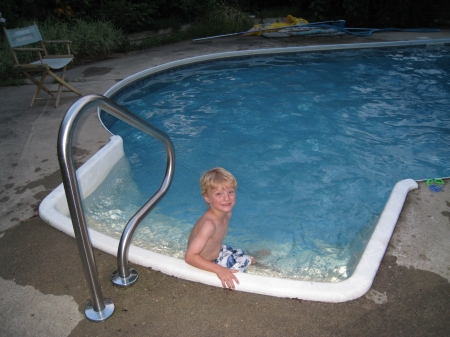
{"points": [[42, 286]]}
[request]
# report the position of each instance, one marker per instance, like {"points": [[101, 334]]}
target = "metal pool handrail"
{"points": [[99, 309]]}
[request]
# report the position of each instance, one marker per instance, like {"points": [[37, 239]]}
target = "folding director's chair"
{"points": [[45, 65]]}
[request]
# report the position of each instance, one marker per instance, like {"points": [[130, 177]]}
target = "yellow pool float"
{"points": [[275, 26]]}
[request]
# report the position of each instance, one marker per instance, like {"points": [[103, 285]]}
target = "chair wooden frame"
{"points": [[45, 65]]}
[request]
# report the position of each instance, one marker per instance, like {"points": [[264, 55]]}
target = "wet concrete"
{"points": [[94, 71], [41, 280]]}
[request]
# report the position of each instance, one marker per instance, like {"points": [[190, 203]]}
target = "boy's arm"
{"points": [[194, 258]]}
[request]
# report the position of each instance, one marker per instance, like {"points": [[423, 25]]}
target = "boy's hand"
{"points": [[227, 277]]}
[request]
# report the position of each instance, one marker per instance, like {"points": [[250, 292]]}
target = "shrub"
{"points": [[221, 20], [6, 63], [129, 16]]}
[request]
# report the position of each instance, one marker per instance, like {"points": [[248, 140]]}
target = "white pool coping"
{"points": [[54, 210]]}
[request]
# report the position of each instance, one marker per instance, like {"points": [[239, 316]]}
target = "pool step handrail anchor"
{"points": [[100, 308]]}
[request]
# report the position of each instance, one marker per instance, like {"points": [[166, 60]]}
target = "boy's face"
{"points": [[221, 198]]}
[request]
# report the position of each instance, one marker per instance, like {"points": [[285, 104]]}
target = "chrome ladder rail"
{"points": [[100, 308]]}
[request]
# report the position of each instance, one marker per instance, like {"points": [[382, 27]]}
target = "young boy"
{"points": [[205, 249]]}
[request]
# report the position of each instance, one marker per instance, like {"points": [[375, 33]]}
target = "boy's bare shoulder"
{"points": [[204, 225], [206, 221]]}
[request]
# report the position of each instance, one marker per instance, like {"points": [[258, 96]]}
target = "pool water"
{"points": [[316, 142]]}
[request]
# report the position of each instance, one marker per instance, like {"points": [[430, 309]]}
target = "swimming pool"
{"points": [[323, 181]]}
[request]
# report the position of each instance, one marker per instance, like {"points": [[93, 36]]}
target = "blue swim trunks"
{"points": [[233, 259]]}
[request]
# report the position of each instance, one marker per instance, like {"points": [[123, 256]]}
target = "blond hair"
{"points": [[217, 177]]}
